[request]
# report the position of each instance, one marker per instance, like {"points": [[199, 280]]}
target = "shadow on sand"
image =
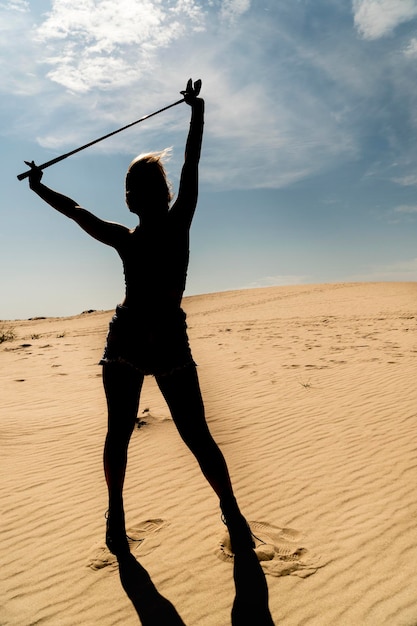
{"points": [[251, 601], [250, 605], [152, 608]]}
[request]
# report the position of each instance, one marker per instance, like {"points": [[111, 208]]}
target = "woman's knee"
{"points": [[120, 425], [196, 435]]}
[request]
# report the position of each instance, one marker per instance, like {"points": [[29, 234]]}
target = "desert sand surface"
{"points": [[310, 391]]}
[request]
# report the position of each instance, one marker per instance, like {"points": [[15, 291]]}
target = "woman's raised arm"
{"points": [[186, 202]]}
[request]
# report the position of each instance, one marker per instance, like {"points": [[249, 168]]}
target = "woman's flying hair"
{"points": [[151, 164]]}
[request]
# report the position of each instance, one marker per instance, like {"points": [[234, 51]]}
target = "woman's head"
{"points": [[147, 186]]}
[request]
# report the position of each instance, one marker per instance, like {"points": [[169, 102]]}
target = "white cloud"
{"points": [[17, 54], [375, 18], [411, 50], [108, 44], [406, 208], [232, 9], [15, 5], [409, 180]]}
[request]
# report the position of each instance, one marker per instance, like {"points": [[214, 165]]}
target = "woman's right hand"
{"points": [[191, 91], [35, 175]]}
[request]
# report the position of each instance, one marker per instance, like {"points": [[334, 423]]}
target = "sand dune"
{"points": [[310, 392]]}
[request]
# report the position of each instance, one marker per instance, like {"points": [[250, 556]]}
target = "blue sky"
{"points": [[308, 172]]}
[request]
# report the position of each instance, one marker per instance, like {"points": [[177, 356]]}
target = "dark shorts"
{"points": [[156, 345]]}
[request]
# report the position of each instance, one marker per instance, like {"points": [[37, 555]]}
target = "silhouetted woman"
{"points": [[147, 334]]}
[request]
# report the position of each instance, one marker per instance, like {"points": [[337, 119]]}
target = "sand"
{"points": [[310, 392]]}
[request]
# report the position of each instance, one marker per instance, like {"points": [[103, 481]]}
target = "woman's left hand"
{"points": [[191, 91]]}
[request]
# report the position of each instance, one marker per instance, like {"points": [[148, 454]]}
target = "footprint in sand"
{"points": [[142, 539], [279, 550]]}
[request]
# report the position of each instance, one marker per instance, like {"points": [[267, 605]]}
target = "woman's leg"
{"points": [[122, 385], [181, 391]]}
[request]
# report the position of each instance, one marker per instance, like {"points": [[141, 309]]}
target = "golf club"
{"points": [[91, 143]]}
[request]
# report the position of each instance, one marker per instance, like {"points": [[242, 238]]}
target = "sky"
{"points": [[308, 171]]}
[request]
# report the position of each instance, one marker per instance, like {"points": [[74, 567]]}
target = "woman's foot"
{"points": [[116, 539], [241, 537]]}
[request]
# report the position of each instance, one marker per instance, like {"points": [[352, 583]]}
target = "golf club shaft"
{"points": [[91, 143]]}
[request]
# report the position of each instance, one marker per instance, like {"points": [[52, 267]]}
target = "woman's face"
{"points": [[146, 193]]}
